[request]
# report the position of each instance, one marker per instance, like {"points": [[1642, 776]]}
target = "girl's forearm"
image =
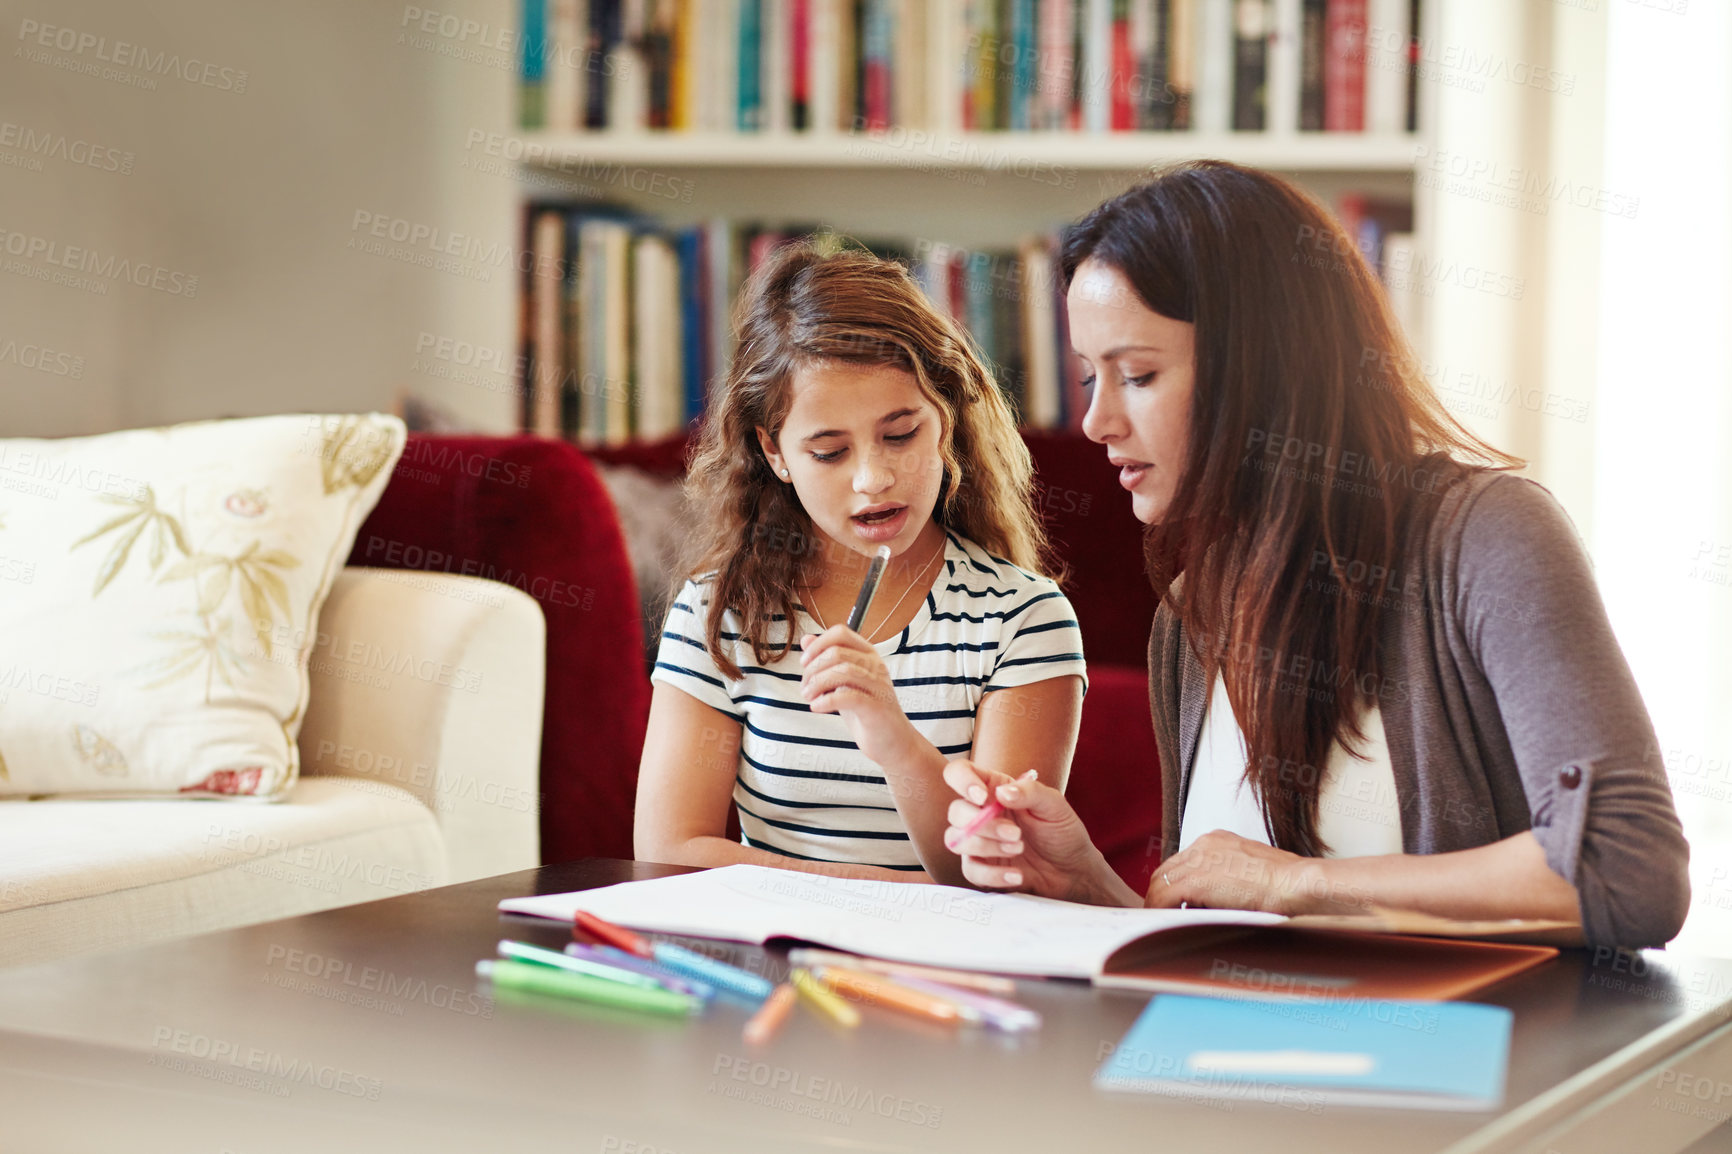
{"points": [[916, 777], [719, 851], [1506, 879]]}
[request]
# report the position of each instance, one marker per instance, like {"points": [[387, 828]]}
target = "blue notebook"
{"points": [[1369, 1052]]}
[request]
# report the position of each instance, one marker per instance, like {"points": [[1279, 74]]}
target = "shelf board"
{"points": [[1015, 153]]}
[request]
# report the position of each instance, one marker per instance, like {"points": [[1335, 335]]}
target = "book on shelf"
{"points": [[1313, 46], [1382, 230], [546, 302], [1282, 92], [826, 66], [774, 87], [1181, 63], [1386, 66], [1368, 220], [532, 66], [1344, 32], [1413, 27], [567, 40], [1253, 26], [1212, 90]]}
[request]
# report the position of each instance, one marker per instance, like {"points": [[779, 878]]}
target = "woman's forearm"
{"points": [[719, 851], [1506, 879]]}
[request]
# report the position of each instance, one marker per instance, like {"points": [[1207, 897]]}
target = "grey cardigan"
{"points": [[1506, 703]]}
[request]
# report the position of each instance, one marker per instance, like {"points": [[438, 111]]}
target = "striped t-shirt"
{"points": [[803, 787]]}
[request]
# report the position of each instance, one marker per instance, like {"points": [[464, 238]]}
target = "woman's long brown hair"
{"points": [[1314, 437], [801, 307]]}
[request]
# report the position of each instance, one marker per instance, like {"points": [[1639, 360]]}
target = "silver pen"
{"points": [[868, 587]]}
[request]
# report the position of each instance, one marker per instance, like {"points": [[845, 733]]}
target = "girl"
{"points": [[854, 415], [1380, 671]]}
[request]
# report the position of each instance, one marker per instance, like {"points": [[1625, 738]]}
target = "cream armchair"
{"points": [[419, 766]]}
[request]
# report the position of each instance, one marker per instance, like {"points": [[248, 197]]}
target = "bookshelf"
{"points": [[1342, 152], [931, 183], [986, 191]]}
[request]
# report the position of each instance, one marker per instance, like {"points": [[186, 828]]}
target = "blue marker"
{"points": [[683, 961]]}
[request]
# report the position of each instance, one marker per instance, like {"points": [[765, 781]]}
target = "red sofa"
{"points": [[534, 513]]}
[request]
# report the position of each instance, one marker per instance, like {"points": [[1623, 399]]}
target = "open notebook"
{"points": [[1195, 950]]}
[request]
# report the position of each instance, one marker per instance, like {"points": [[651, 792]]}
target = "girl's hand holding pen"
{"points": [[843, 674], [1038, 845]]}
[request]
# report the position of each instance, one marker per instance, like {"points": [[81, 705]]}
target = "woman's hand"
{"points": [[844, 674], [1225, 871], [1039, 845]]}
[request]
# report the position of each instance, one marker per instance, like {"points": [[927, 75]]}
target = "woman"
{"points": [[1380, 671]]}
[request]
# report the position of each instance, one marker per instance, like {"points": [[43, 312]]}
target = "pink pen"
{"points": [[992, 810]]}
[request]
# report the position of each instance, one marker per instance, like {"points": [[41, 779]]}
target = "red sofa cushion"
{"points": [[1089, 521], [1115, 777], [533, 513]]}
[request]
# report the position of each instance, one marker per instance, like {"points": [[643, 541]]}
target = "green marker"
{"points": [[536, 979], [524, 952]]}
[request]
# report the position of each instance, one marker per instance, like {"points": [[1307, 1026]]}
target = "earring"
{"points": [[784, 474]]}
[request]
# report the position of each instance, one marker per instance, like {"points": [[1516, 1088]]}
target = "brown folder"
{"points": [[1287, 961]]}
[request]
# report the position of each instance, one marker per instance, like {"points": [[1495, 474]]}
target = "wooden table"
{"points": [[364, 1028]]}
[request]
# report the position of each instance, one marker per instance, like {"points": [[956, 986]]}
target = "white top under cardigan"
{"points": [[1357, 812]]}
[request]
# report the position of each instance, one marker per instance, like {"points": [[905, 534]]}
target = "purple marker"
{"points": [[614, 956]]}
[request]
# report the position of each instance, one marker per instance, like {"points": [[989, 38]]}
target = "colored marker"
{"points": [[524, 952], [546, 980], [824, 999], [994, 1012], [689, 964], [612, 956], [987, 983], [770, 1016], [892, 995], [869, 587], [613, 935]]}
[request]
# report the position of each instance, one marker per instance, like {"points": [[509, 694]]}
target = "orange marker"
{"points": [[613, 935], [884, 992], [770, 1015]]}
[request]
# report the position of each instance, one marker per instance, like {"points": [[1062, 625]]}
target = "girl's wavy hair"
{"points": [[804, 307], [1314, 440]]}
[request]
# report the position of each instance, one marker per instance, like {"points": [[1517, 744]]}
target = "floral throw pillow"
{"points": [[159, 599]]}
